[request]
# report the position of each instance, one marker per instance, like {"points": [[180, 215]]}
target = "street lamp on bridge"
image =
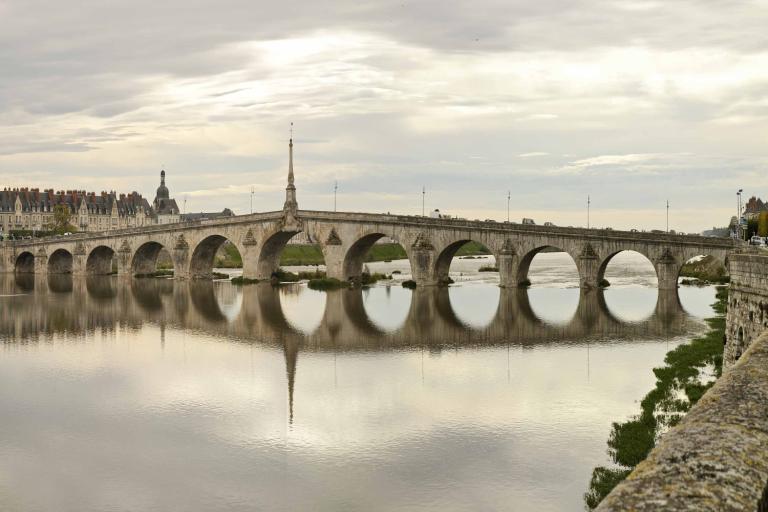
{"points": [[737, 231]]}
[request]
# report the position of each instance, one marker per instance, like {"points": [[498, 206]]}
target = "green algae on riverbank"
{"points": [[689, 371]]}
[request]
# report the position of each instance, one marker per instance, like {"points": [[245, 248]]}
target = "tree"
{"points": [[751, 228], [762, 224], [61, 220]]}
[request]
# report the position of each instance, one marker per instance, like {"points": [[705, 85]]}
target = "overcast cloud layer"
{"points": [[630, 102]]}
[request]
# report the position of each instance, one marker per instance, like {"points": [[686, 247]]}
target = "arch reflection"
{"points": [[340, 319], [555, 306], [631, 303], [303, 308], [387, 306], [474, 305]]}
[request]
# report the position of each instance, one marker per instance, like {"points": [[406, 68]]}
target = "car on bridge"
{"points": [[528, 221]]}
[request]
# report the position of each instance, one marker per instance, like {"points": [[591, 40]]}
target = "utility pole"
{"points": [[667, 216], [252, 192], [185, 205], [335, 188], [509, 197], [423, 198], [589, 201]]}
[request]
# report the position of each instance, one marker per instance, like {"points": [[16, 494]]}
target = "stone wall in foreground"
{"points": [[716, 459], [747, 302]]}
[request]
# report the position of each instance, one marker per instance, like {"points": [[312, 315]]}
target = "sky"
{"points": [[628, 102]]}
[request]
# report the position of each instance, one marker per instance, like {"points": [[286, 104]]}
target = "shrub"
{"points": [[240, 280], [327, 283], [283, 276]]}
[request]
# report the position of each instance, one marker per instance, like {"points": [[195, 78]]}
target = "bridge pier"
{"points": [[588, 265], [180, 257], [667, 270], [508, 264], [41, 262], [423, 267], [5, 258], [78, 264], [250, 256], [333, 254]]}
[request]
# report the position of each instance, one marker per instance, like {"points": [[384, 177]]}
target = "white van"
{"points": [[528, 221]]}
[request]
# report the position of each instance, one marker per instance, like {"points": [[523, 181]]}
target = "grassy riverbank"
{"points": [[688, 372], [294, 255], [706, 270]]}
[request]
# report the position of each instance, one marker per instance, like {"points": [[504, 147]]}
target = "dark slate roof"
{"points": [[45, 200], [165, 206], [755, 205]]}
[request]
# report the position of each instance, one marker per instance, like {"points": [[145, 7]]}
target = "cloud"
{"points": [[387, 97]]}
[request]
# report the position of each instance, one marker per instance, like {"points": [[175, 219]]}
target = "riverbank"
{"points": [[689, 371], [703, 271]]}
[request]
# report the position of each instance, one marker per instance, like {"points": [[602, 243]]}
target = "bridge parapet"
{"points": [[345, 239]]}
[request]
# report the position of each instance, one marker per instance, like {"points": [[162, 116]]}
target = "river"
{"points": [[158, 395]]}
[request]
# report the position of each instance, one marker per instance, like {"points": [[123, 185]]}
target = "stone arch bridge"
{"points": [[345, 239]]}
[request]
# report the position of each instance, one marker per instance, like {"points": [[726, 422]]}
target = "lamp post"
{"points": [[335, 188], [509, 197], [738, 214], [252, 192], [423, 198], [667, 216], [589, 201]]}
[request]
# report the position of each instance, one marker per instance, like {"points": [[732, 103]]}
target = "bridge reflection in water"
{"points": [[44, 306], [60, 303]]}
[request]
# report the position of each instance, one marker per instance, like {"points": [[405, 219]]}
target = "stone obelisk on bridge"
{"points": [[291, 206]]}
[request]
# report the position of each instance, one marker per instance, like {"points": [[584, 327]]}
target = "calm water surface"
{"points": [[149, 395]]}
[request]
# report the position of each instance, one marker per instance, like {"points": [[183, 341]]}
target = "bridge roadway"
{"points": [[345, 238], [70, 304]]}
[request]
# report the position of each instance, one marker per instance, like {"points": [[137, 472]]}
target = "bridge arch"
{"points": [[445, 258], [144, 260], [203, 257], [99, 261], [60, 262], [25, 263], [269, 256], [355, 256], [524, 266], [623, 257]]}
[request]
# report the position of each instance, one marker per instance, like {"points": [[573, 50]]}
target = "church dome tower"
{"points": [[162, 190]]}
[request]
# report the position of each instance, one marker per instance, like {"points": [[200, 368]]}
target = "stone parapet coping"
{"points": [[716, 459]]}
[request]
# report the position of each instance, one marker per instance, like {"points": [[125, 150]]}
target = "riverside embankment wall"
{"points": [[716, 459]]}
